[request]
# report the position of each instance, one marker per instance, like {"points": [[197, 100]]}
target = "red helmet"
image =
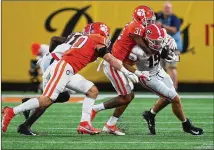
{"points": [[97, 28], [144, 15], [87, 28], [155, 36]]}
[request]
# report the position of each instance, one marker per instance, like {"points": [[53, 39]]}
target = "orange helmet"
{"points": [[87, 28], [97, 28], [155, 36], [144, 15]]}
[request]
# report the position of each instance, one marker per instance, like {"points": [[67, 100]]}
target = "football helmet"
{"points": [[155, 37], [97, 28], [144, 15]]}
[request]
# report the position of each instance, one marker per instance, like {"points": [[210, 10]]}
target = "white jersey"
{"points": [[146, 63]]}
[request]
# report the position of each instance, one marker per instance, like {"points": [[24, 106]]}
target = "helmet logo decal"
{"points": [[104, 28], [141, 12], [148, 32]]}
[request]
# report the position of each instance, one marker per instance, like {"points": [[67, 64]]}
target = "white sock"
{"points": [[112, 121], [87, 106], [99, 107], [152, 111], [28, 105]]}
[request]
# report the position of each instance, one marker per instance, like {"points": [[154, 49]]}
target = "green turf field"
{"points": [[59, 123]]}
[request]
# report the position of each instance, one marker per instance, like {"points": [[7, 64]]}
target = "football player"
{"points": [[86, 48], [130, 36], [79, 84], [160, 82]]}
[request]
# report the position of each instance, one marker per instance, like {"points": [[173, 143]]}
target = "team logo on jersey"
{"points": [[148, 32], [141, 12]]}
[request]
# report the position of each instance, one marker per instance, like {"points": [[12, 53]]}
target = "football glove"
{"points": [[143, 74]]}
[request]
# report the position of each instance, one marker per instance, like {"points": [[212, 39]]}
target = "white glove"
{"points": [[171, 44], [143, 74], [172, 58], [132, 77], [129, 75]]}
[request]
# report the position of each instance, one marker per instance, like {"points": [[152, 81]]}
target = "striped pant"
{"points": [[120, 82], [60, 74], [161, 84]]}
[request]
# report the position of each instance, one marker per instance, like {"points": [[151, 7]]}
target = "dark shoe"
{"points": [[189, 128], [25, 131], [150, 119]]}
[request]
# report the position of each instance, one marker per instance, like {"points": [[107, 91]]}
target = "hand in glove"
{"points": [[143, 74]]}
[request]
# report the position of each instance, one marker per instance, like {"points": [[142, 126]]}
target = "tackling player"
{"points": [[160, 83], [84, 50], [130, 36], [79, 83]]}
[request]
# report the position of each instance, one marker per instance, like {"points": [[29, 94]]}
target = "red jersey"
{"points": [[83, 51], [124, 44]]}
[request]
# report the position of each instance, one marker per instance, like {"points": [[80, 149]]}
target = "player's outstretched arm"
{"points": [[140, 74], [114, 62], [139, 41], [55, 41]]}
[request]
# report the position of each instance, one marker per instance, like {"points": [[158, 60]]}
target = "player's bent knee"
{"points": [[63, 97], [44, 101], [176, 99], [92, 92]]}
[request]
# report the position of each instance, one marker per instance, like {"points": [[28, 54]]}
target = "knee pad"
{"points": [[63, 97]]}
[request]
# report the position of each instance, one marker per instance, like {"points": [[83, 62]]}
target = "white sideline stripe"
{"points": [[102, 96], [101, 142]]}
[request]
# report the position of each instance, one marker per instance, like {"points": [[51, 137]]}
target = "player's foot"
{"points": [[27, 112], [150, 119], [189, 128], [22, 129], [7, 115], [112, 129], [86, 128], [93, 114]]}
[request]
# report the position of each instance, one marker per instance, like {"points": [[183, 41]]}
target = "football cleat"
{"points": [[112, 130], [86, 128], [150, 119], [22, 129], [7, 115], [27, 112], [189, 128], [93, 114]]}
